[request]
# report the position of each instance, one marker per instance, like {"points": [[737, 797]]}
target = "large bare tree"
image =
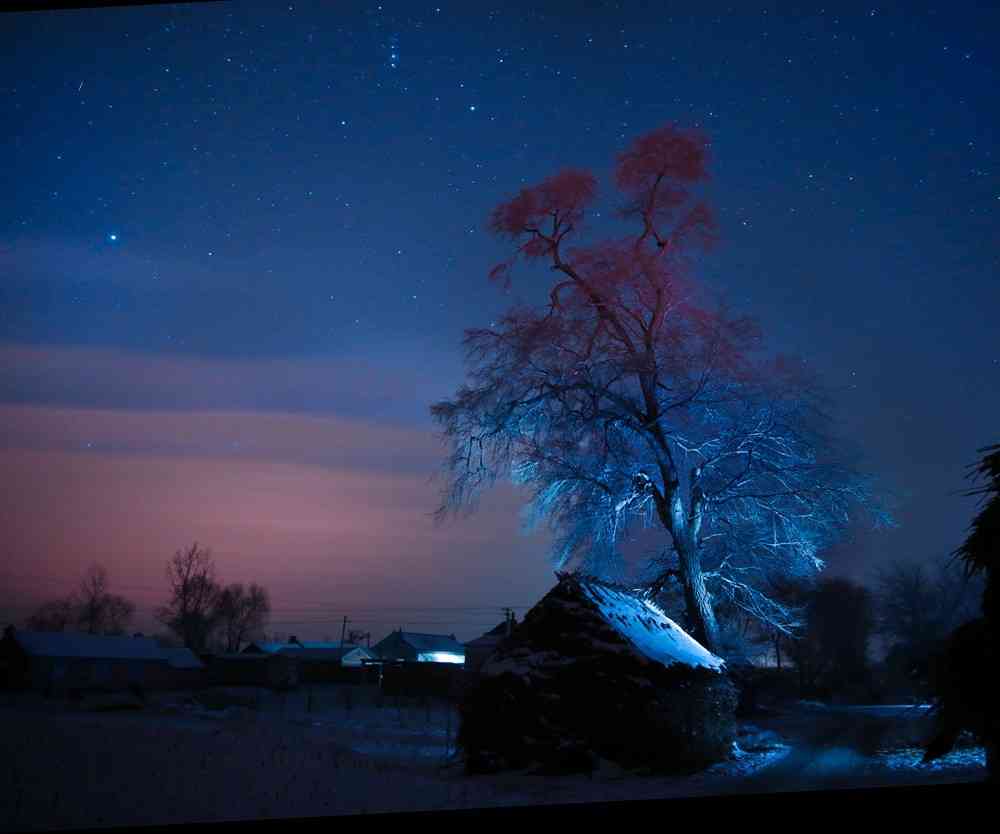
{"points": [[241, 614], [191, 613], [629, 400], [920, 603]]}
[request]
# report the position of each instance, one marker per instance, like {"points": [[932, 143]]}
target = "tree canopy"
{"points": [[628, 399]]}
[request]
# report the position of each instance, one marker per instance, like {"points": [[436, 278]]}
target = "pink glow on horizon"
{"points": [[349, 531]]}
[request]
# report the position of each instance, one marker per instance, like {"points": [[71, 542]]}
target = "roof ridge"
{"points": [[591, 579]]}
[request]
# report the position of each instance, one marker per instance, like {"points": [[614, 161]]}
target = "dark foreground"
{"points": [[164, 764], [903, 806]]}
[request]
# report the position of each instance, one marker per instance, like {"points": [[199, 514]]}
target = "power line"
{"points": [[325, 607], [482, 610], [471, 616], [379, 623], [67, 581], [368, 613]]}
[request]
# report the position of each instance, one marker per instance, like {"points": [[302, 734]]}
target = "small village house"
{"points": [[330, 663], [421, 664], [321, 662], [62, 662], [413, 647]]}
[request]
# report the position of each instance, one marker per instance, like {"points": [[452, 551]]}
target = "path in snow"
{"points": [[847, 747]]}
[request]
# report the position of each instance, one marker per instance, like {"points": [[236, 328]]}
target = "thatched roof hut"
{"points": [[597, 671]]}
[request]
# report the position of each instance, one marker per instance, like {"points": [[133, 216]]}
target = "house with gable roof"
{"points": [[416, 664], [414, 647], [320, 661]]}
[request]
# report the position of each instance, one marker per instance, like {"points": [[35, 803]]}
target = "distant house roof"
{"points": [[266, 648], [182, 659], [251, 657], [326, 651], [308, 649], [490, 639], [424, 643], [88, 646]]}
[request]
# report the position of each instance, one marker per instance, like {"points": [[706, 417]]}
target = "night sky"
{"points": [[240, 242]]}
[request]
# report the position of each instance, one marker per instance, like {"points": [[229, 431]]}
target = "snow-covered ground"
{"points": [[320, 754]]}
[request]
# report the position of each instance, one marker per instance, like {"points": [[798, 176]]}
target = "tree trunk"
{"points": [[697, 602], [698, 605]]}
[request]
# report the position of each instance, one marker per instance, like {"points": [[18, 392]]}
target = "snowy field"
{"points": [[322, 753]]}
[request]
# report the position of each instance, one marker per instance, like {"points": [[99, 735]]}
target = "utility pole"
{"points": [[343, 630]]}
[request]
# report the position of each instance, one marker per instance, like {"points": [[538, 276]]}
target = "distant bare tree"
{"points": [[118, 613], [91, 608], [241, 614], [98, 611], [831, 653], [920, 604], [54, 615], [93, 591], [194, 594]]}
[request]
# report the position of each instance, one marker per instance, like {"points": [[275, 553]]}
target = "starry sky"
{"points": [[240, 242]]}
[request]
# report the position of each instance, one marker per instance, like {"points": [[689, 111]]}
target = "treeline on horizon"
{"points": [[201, 612], [909, 608]]}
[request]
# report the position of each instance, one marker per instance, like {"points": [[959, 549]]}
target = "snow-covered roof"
{"points": [[182, 659], [639, 625], [644, 625], [88, 646]]}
